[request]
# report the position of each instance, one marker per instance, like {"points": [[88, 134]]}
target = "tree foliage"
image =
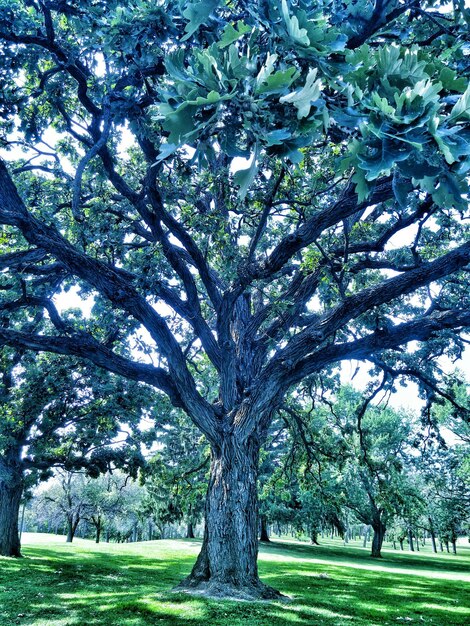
{"points": [[224, 283]]}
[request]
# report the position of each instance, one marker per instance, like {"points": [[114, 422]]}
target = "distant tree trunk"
{"points": [[446, 543], [264, 535], [454, 545], [72, 523], [410, 540], [401, 543], [98, 529], [417, 542], [314, 536], [190, 530], [227, 564], [11, 489], [366, 536], [433, 535], [378, 539]]}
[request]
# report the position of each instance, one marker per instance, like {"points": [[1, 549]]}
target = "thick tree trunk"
{"points": [[11, 489], [264, 534], [227, 564], [410, 541], [378, 539]]}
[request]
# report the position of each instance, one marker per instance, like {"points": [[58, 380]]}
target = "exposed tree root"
{"points": [[228, 591]]}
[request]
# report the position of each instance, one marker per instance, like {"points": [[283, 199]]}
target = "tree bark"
{"points": [[264, 534], [11, 489], [227, 564], [410, 541], [377, 539]]}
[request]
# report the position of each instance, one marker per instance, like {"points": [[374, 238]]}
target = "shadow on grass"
{"points": [[129, 586]]}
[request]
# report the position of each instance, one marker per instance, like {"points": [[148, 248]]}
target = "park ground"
{"points": [[82, 584]]}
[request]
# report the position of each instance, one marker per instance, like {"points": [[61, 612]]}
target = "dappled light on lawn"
{"points": [[129, 585]]}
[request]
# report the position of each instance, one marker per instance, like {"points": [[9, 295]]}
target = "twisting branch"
{"points": [[77, 183]]}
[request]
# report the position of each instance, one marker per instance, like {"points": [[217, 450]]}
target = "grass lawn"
{"points": [[128, 585]]}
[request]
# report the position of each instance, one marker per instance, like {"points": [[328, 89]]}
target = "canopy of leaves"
{"points": [[250, 192]]}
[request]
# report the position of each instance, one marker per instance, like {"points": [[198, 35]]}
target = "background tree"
{"points": [[341, 238], [372, 478], [176, 476], [57, 412]]}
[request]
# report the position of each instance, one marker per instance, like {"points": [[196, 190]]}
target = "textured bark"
{"points": [[227, 564], [11, 490], [378, 539]]}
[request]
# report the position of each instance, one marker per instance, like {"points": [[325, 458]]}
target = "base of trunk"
{"points": [[14, 553], [228, 591]]}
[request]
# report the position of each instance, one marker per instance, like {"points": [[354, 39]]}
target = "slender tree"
{"points": [[339, 237]]}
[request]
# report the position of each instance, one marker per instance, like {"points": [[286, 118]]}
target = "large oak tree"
{"points": [[340, 236]]}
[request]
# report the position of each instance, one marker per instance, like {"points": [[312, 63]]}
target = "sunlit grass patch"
{"points": [[130, 585]]}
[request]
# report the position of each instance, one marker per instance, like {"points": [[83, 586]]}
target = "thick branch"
{"points": [[312, 229], [83, 345], [420, 329], [116, 286]]}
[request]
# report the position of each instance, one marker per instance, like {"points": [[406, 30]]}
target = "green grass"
{"points": [[128, 585]]}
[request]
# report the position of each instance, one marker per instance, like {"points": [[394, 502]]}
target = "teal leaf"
{"points": [[302, 98], [297, 34], [197, 13], [278, 82], [166, 149], [277, 137], [231, 34], [418, 168], [244, 178], [266, 70], [461, 108], [401, 188]]}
